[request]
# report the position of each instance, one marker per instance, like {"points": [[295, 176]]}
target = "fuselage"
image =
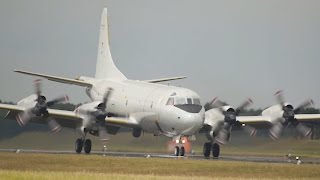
{"points": [[166, 110]]}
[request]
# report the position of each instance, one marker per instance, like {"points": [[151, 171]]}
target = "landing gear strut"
{"points": [[209, 147]]}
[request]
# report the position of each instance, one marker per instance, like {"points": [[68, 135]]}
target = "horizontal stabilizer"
{"points": [[165, 79], [57, 79]]}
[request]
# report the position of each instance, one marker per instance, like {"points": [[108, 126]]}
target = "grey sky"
{"points": [[231, 49]]}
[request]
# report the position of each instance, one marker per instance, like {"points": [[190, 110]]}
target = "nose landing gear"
{"points": [[179, 151], [180, 145]]}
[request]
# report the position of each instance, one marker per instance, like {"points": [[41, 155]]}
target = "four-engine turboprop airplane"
{"points": [[143, 106]]}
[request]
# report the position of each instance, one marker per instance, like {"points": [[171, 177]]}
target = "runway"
{"points": [[262, 159]]}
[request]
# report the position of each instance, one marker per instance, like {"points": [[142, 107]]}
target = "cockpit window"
{"points": [[196, 101], [170, 101], [183, 101], [180, 100]]}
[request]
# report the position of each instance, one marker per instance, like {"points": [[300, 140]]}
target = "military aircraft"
{"points": [[144, 106]]}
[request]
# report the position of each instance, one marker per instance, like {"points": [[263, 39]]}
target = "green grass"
{"points": [[50, 166]]}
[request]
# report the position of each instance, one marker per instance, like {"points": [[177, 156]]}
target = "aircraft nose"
{"points": [[193, 123]]}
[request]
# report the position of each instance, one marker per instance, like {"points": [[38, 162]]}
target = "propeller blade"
{"points": [[216, 103], [223, 136], [303, 106], [276, 130], [24, 117], [249, 130], [37, 87], [107, 95], [104, 137], [244, 105], [280, 97], [58, 100], [304, 130], [54, 125], [212, 102]]}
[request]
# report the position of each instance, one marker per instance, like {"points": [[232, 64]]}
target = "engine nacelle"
{"points": [[215, 118], [274, 112], [82, 111], [28, 102]]}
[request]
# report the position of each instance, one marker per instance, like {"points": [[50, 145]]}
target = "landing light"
{"points": [[177, 141]]}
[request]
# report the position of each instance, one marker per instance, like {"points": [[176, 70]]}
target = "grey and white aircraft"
{"points": [[144, 106]]}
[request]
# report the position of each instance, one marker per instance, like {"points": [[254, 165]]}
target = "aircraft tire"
{"points": [[215, 150], [207, 149], [176, 151], [78, 145], [182, 151], [87, 146]]}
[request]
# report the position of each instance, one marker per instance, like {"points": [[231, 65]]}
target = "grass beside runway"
{"points": [[238, 145], [50, 166]]}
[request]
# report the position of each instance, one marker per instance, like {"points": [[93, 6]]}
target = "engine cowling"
{"points": [[88, 120]]}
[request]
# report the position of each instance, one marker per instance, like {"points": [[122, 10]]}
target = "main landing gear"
{"points": [[211, 147], [84, 144]]}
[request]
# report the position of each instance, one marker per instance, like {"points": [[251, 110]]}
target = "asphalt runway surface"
{"points": [[262, 159]]}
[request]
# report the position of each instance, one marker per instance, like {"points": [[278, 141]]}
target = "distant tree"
{"points": [[64, 106], [310, 111], [208, 106]]}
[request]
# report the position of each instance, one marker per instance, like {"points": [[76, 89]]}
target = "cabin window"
{"points": [[189, 101], [170, 101]]}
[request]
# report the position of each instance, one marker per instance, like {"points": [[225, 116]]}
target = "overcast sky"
{"points": [[231, 49]]}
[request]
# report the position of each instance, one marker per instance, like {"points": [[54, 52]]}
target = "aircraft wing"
{"points": [[308, 117], [65, 118], [70, 119], [57, 79], [256, 121], [265, 121], [165, 79]]}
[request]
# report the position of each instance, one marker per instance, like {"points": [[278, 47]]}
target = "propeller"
{"points": [[100, 115], [230, 120], [41, 109], [288, 117]]}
